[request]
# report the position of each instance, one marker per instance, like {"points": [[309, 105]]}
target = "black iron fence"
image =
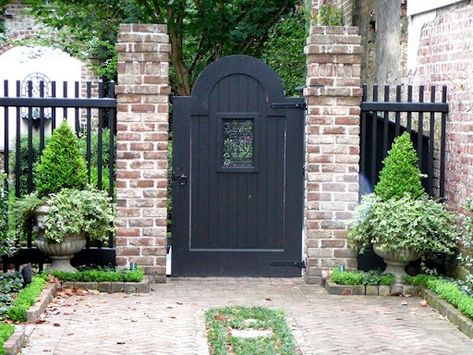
{"points": [[31, 112], [382, 121]]}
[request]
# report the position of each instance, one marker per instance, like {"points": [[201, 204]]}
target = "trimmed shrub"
{"points": [[100, 276], [400, 174], [25, 299], [61, 165]]}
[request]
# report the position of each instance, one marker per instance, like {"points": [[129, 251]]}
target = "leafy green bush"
{"points": [[330, 15], [450, 293], [25, 299], [418, 280], [347, 277], [61, 165], [100, 276], [361, 278], [421, 225], [74, 212], [6, 331], [400, 174], [94, 143]]}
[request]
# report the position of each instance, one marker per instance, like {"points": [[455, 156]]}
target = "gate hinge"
{"points": [[289, 105], [299, 264]]}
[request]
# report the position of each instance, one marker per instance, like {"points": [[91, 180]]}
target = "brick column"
{"points": [[142, 139], [332, 146]]}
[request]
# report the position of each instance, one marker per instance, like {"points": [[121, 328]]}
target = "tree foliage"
{"points": [[400, 174], [200, 31], [284, 51]]}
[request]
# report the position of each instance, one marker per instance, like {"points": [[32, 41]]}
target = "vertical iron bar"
{"points": [[111, 148], [6, 142], [409, 114], [41, 119], [398, 114], [89, 130], [443, 146], [363, 134], [76, 110], [64, 94], [53, 110], [385, 123], [18, 143], [99, 139], [374, 135], [431, 145], [30, 140], [6, 155], [30, 158], [420, 128]]}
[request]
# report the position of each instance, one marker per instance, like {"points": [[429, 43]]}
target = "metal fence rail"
{"points": [[90, 116], [383, 121]]}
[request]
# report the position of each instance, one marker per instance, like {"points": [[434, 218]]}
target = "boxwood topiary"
{"points": [[61, 165], [400, 174]]}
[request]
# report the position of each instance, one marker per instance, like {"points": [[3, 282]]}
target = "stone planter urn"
{"points": [[60, 253], [396, 261]]}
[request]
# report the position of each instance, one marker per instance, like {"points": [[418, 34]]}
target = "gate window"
{"points": [[238, 141]]}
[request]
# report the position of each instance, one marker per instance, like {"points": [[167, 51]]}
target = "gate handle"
{"points": [[181, 180]]}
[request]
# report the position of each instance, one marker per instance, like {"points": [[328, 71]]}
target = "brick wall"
{"points": [[142, 138], [445, 57], [345, 5], [332, 139]]}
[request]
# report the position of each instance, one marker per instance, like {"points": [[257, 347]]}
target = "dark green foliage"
{"points": [[94, 143], [219, 320], [400, 174], [361, 278], [93, 275], [10, 284], [330, 15], [25, 299], [61, 165], [284, 51]]}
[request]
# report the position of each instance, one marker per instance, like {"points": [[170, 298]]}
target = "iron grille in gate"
{"points": [[33, 117], [383, 121]]}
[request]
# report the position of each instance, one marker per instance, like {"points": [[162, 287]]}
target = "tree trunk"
{"points": [[182, 75]]}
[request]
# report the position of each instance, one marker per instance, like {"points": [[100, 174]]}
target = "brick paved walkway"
{"points": [[170, 320]]}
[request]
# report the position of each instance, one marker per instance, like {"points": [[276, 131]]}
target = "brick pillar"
{"points": [[332, 142], [142, 139]]}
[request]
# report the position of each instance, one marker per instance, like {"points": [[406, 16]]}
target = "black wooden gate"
{"points": [[238, 174]]}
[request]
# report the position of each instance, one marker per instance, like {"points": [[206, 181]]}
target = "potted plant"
{"points": [[65, 209], [399, 220]]}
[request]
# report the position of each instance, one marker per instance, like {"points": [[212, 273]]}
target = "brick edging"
{"points": [[13, 345], [112, 287], [462, 322], [46, 296], [369, 290]]}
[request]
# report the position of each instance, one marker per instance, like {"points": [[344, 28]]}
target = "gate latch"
{"points": [[299, 264], [181, 180]]}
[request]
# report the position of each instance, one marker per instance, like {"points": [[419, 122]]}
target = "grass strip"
{"points": [[6, 331], [446, 290], [101, 275], [25, 299], [220, 320]]}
